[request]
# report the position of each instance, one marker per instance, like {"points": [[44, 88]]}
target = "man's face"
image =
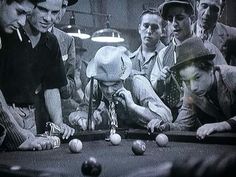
{"points": [[45, 14], [196, 80], [150, 29], [208, 13], [62, 11], [110, 88], [13, 15], [179, 22]]}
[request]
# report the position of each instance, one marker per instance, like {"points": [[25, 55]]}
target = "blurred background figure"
{"points": [[208, 28]]}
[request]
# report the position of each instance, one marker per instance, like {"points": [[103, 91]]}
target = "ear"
{"points": [[197, 4], [139, 28]]}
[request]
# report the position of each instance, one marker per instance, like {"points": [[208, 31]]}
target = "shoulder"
{"points": [[228, 30], [135, 53], [62, 34], [140, 80], [228, 75]]}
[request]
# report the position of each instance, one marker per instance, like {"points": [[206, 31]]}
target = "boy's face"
{"points": [[110, 88], [179, 22], [150, 29], [13, 15], [45, 14], [197, 80], [208, 12]]}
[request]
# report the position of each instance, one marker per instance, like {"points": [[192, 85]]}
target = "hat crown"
{"points": [[110, 64], [163, 8], [192, 49]]}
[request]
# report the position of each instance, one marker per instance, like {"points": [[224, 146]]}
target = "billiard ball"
{"points": [[161, 140], [138, 147], [75, 145], [115, 139], [91, 167]]}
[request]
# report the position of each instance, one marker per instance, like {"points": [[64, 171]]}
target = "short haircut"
{"points": [[205, 65], [222, 3], [149, 11], [20, 1]]}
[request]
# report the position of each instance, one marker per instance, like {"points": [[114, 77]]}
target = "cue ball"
{"points": [[75, 146], [115, 139], [91, 167], [138, 147], [161, 140]]}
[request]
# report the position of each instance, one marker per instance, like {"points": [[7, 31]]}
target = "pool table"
{"points": [[115, 160]]}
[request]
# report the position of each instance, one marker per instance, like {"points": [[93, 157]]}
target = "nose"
{"points": [[207, 11], [48, 17], [22, 20], [174, 22], [149, 29], [193, 86], [109, 90]]}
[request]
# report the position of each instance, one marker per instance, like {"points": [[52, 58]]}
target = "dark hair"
{"points": [[149, 11], [20, 1], [205, 65]]}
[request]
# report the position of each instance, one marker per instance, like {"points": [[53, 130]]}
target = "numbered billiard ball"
{"points": [[161, 140], [91, 167], [75, 145], [138, 147], [115, 139]]}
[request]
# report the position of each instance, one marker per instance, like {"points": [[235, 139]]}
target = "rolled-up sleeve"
{"points": [[145, 96]]}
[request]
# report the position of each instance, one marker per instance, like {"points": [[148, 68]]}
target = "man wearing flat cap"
{"points": [[210, 91], [131, 99], [179, 14]]}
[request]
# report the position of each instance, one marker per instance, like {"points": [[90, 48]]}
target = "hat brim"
{"points": [[179, 65], [163, 8], [72, 2]]}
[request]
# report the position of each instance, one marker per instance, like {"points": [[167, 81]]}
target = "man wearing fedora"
{"points": [[210, 91], [135, 103], [208, 28], [179, 14], [149, 30]]}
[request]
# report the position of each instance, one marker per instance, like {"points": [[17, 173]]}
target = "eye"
{"points": [[20, 12], [215, 9], [204, 5], [146, 25], [55, 12], [170, 19], [180, 17]]}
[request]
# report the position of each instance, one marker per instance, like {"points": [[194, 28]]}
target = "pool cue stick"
{"points": [[89, 125]]}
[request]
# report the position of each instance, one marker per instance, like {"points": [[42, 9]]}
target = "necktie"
{"points": [[112, 117]]}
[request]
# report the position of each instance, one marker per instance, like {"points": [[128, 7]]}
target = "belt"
{"points": [[22, 105]]}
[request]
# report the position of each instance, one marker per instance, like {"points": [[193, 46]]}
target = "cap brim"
{"points": [[181, 64], [163, 8]]}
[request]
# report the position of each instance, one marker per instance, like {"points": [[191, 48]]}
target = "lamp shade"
{"points": [[74, 31], [107, 35]]}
